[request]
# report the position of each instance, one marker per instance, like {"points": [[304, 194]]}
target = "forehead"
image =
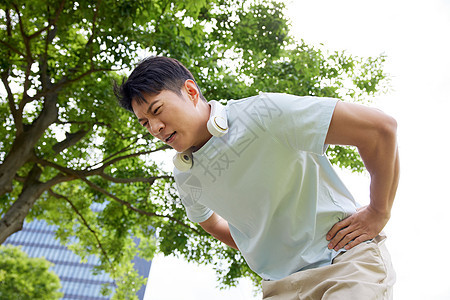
{"points": [[139, 103], [142, 103]]}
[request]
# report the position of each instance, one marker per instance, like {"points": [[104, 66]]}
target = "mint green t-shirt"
{"points": [[269, 178]]}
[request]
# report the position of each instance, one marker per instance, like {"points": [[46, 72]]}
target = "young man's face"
{"points": [[177, 120]]}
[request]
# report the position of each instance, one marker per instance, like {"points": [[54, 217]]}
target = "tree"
{"points": [[66, 146], [22, 277]]}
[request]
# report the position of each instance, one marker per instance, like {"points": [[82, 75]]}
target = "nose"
{"points": [[156, 126]]}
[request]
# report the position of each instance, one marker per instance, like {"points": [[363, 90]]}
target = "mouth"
{"points": [[169, 139]]}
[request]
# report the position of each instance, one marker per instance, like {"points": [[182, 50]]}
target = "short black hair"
{"points": [[151, 76]]}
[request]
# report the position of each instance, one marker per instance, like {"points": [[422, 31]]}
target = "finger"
{"points": [[347, 239], [356, 241], [340, 235], [337, 227]]}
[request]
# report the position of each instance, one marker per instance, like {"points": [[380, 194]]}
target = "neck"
{"points": [[204, 135]]}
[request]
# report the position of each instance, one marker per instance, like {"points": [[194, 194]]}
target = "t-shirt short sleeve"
{"points": [[198, 213], [302, 122], [190, 189]]}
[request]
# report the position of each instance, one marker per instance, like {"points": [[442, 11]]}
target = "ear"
{"points": [[192, 90]]}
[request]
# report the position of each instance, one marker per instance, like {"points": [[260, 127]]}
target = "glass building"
{"points": [[37, 239]]}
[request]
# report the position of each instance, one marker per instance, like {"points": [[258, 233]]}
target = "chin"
{"points": [[180, 148]]}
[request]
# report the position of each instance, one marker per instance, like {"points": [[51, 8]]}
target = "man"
{"points": [[267, 189]]}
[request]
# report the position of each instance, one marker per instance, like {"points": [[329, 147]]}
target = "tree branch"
{"points": [[55, 180], [132, 155], [121, 151], [91, 125], [12, 106], [71, 139], [80, 174], [9, 34], [15, 50], [8, 23], [51, 21], [65, 82], [19, 178], [26, 84], [28, 58], [86, 173], [43, 58], [94, 20], [114, 154], [85, 223], [131, 207], [22, 30], [150, 180]]}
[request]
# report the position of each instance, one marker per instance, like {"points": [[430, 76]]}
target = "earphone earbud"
{"points": [[183, 161], [217, 125]]}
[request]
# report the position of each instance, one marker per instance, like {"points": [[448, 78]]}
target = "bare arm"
{"points": [[374, 134], [218, 228]]}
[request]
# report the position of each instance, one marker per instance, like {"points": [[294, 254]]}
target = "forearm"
{"points": [[382, 163], [225, 237], [219, 229], [383, 187]]}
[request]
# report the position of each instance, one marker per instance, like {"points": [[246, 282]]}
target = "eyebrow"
{"points": [[149, 109]]}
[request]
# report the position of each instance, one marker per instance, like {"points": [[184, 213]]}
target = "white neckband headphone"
{"points": [[217, 125]]}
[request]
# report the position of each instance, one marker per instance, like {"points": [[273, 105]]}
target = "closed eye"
{"points": [[156, 110], [145, 124]]}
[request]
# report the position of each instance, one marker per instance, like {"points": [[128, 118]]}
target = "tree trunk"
{"points": [[22, 149], [25, 142], [32, 189], [12, 221]]}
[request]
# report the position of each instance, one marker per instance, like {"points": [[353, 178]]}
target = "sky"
{"points": [[415, 36]]}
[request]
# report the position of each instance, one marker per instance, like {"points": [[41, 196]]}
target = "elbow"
{"points": [[383, 134], [388, 127]]}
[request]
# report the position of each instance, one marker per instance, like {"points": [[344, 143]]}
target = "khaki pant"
{"points": [[364, 272]]}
